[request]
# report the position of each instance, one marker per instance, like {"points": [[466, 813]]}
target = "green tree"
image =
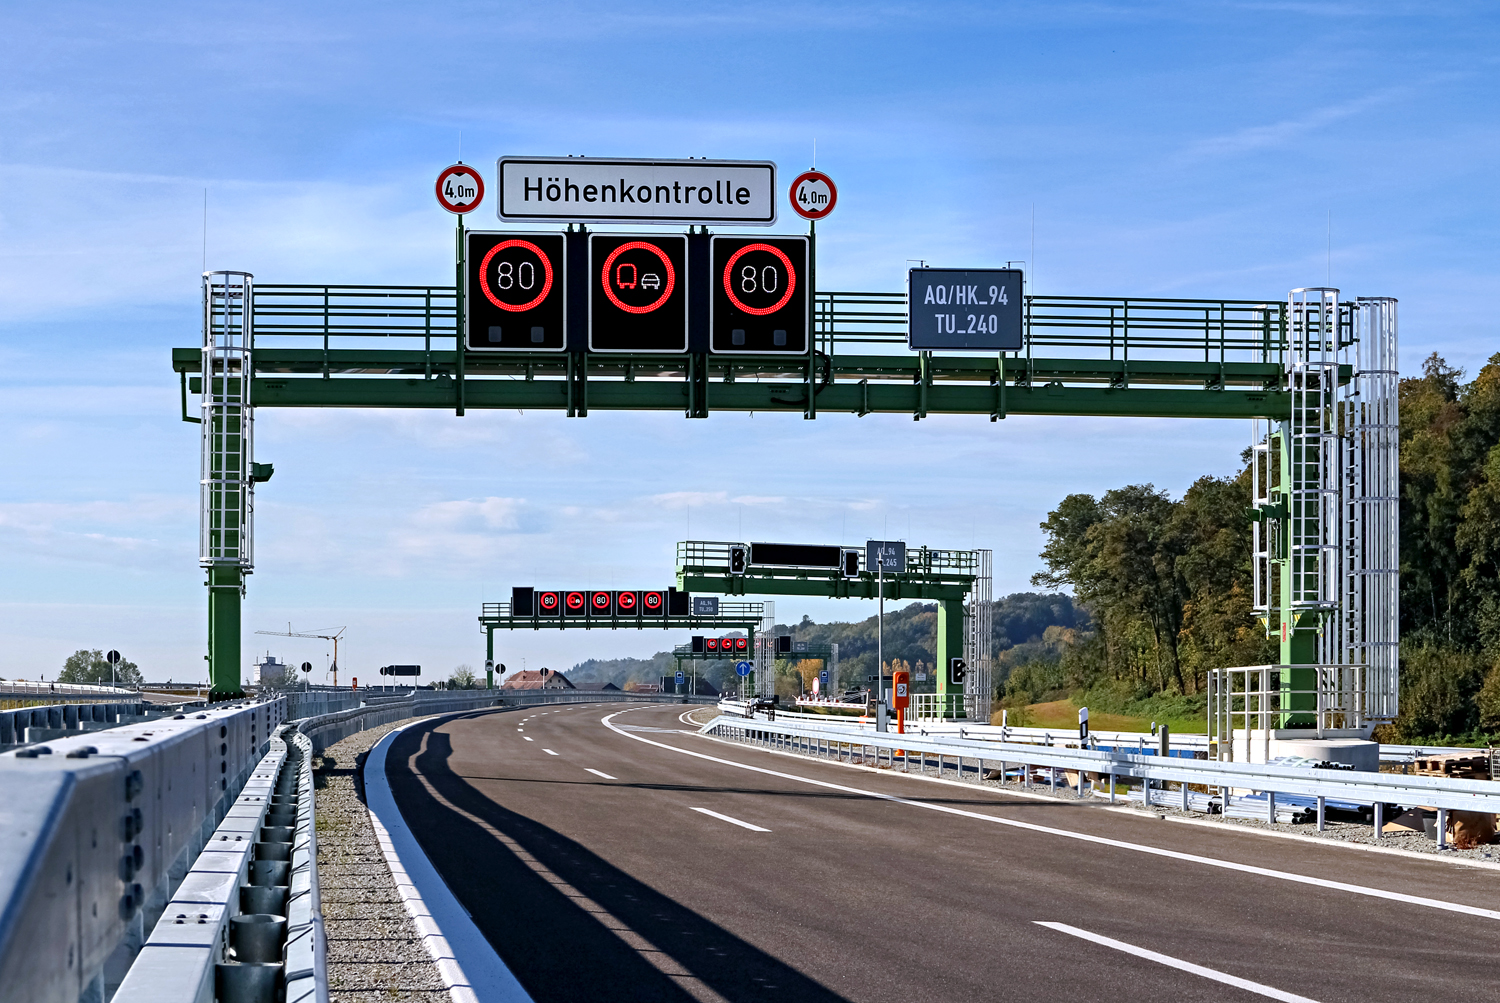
{"points": [[462, 678], [88, 666], [1167, 584]]}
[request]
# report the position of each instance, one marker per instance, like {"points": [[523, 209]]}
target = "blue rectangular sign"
{"points": [[975, 309]]}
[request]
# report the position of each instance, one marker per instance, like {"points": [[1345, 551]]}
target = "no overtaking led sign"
{"points": [[589, 189]]}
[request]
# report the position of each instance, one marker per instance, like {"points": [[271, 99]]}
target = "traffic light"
{"points": [[548, 603], [737, 557], [653, 603], [849, 563], [575, 604], [759, 295], [514, 292], [627, 604], [638, 293], [957, 667]]}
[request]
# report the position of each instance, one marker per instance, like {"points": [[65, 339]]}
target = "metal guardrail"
{"points": [[57, 721], [102, 831], [1185, 741], [245, 924], [97, 830], [1341, 785]]}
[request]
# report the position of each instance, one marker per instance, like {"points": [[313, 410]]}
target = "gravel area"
{"points": [[373, 950], [1345, 832]]}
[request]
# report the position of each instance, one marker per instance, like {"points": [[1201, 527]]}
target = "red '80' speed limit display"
{"points": [[513, 292], [759, 302]]}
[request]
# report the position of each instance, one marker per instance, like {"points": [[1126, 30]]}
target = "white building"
{"points": [[269, 672]]}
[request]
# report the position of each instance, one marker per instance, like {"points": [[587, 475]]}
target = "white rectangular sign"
{"points": [[589, 189]]}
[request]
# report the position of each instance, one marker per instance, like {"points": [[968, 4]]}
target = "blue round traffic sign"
{"points": [[743, 668]]}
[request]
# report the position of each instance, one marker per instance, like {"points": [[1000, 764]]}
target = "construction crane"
{"points": [[334, 637]]}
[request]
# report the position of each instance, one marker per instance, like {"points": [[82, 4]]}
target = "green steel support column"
{"points": [[950, 644], [1299, 630], [489, 658], [225, 586]]}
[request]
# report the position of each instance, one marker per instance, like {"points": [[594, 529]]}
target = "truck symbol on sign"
{"points": [[621, 280]]}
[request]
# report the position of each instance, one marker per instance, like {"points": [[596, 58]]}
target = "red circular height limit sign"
{"points": [[460, 189], [813, 195]]}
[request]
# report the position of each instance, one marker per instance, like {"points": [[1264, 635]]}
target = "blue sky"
{"points": [[1183, 149]]}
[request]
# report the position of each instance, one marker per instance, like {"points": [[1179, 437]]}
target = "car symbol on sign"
{"points": [[650, 281]]}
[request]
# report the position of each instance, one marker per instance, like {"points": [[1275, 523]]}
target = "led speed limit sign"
{"points": [[759, 301], [513, 292]]}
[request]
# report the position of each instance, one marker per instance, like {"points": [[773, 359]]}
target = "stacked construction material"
{"points": [[1458, 767]]}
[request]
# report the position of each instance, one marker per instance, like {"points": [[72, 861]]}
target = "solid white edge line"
{"points": [[1228, 865], [732, 821], [599, 773], [1171, 962], [443, 925]]}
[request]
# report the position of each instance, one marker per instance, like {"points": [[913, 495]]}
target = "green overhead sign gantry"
{"points": [[297, 345]]}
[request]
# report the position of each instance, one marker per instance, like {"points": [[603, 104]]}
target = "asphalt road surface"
{"points": [[609, 853]]}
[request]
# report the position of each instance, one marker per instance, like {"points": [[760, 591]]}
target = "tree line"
{"points": [[1168, 583]]}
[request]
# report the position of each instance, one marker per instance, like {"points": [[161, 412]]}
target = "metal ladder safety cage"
{"points": [[765, 654], [1312, 456], [1326, 533], [1372, 511], [978, 642], [227, 489]]}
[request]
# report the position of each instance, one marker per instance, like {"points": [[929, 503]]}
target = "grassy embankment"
{"points": [[1063, 714]]}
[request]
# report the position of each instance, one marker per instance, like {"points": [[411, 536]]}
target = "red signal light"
{"points": [[574, 603]]}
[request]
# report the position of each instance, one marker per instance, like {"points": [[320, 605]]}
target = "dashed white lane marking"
{"points": [[1156, 851], [549, 752], [1186, 966], [732, 821], [528, 738], [600, 773]]}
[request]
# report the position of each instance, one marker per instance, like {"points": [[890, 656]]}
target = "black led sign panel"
{"points": [[758, 301], [638, 293], [794, 555], [514, 292]]}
